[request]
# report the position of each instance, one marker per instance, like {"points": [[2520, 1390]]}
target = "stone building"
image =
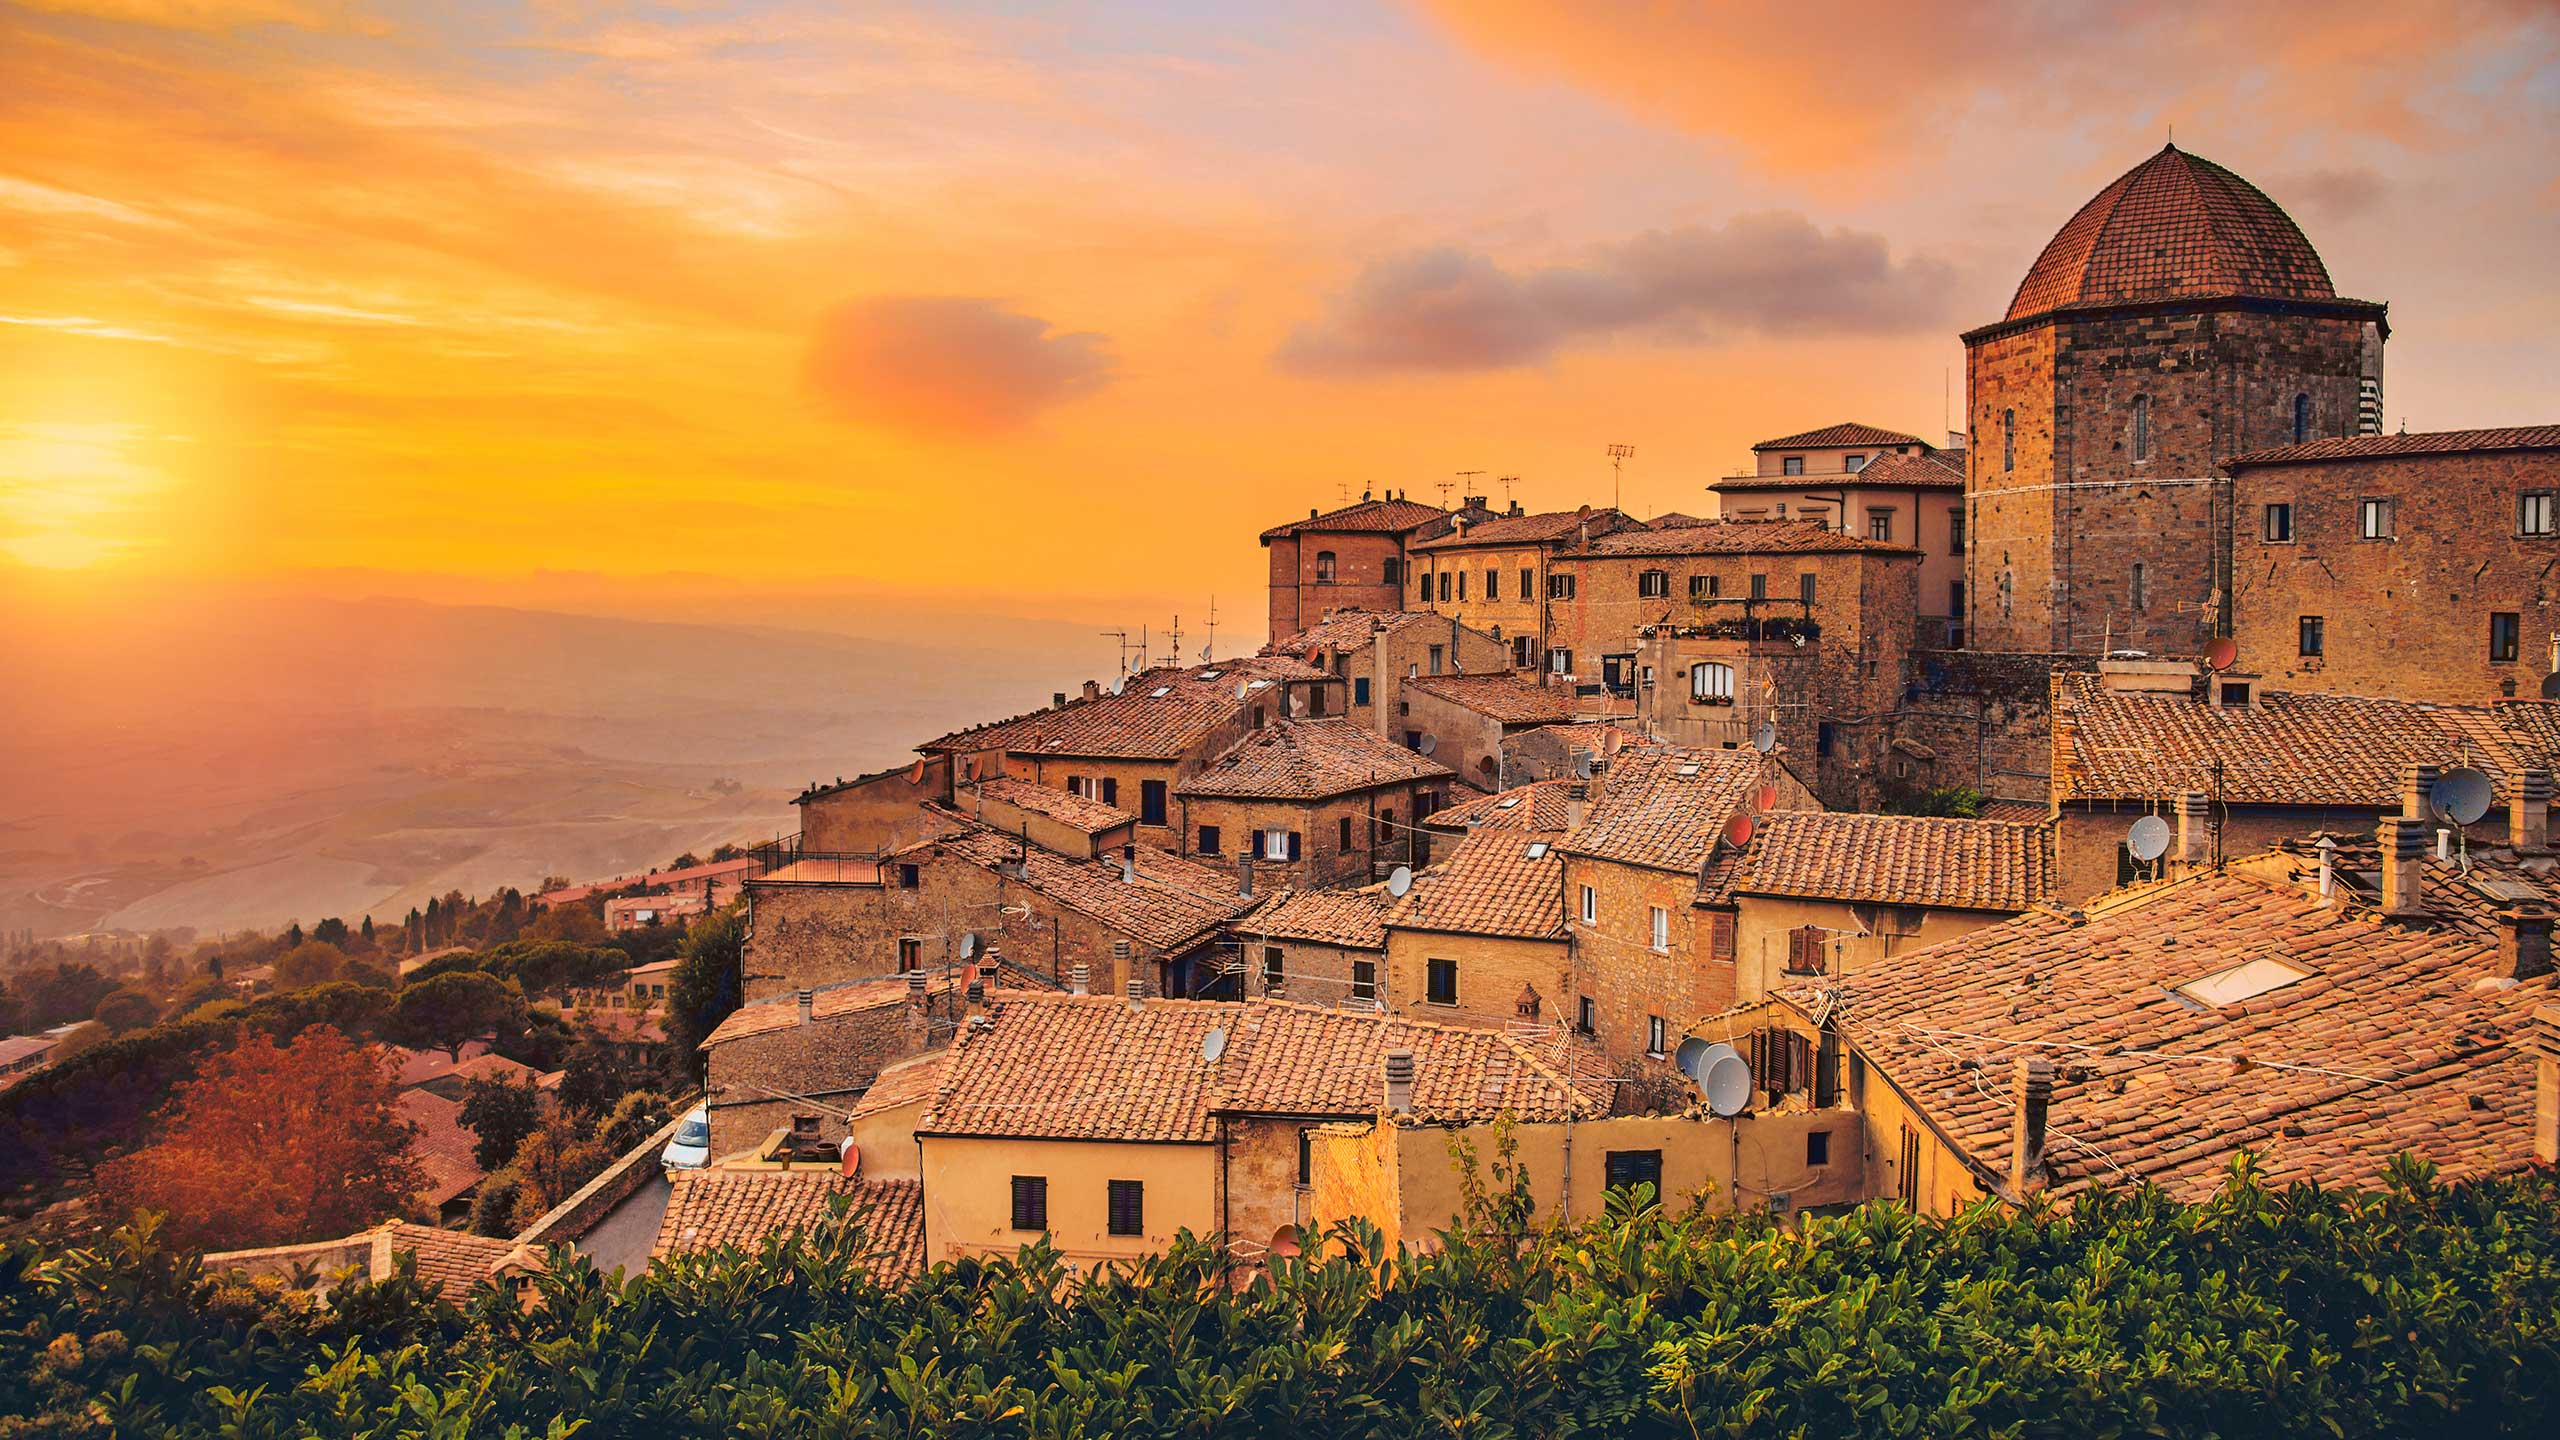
{"points": [[1467, 717], [1882, 484], [816, 1053], [1492, 574], [1358, 555], [1318, 947], [1480, 938], [1309, 803], [1374, 653], [2409, 565], [2178, 319]]}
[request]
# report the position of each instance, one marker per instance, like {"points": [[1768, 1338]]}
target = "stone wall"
{"points": [[1380, 833], [815, 1067], [1979, 720], [1492, 971], [1614, 961]]}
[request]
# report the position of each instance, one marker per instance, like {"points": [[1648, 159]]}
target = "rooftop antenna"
{"points": [[1510, 480], [1121, 639], [1443, 487], [1211, 647], [1173, 642], [1618, 456], [1468, 476]]}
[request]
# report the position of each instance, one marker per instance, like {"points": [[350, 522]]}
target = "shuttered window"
{"points": [[1626, 1169], [1030, 1202], [1804, 950], [1128, 1207], [1720, 935]]}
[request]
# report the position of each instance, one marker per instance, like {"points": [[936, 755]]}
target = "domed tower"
{"points": [[2178, 319]]}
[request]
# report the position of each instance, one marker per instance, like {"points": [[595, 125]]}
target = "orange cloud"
{"points": [[948, 364]]}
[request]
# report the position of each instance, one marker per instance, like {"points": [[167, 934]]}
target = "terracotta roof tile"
{"points": [[443, 1145], [1172, 905], [2377, 447], [714, 1208], [827, 1002], [1160, 714], [1848, 432], [2173, 227], [2288, 748], [1543, 528], [1350, 628], [1665, 808], [906, 1083], [1352, 919], [1497, 882], [1307, 760], [454, 1261], [1505, 697], [1067, 808], [1736, 537], [1675, 520], [1303, 1060], [1539, 806], [2384, 1045], [1366, 517], [1936, 470], [1898, 860]]}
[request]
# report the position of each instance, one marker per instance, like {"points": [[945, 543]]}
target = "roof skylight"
{"points": [[2245, 981]]}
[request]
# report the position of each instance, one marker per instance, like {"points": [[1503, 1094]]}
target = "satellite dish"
{"points": [[2148, 838], [1690, 1057], [2222, 653], [1120, 686], [1764, 736], [1214, 1044], [2462, 796], [1582, 764], [969, 945], [916, 776], [2551, 686], [1400, 880], [1726, 1084], [1429, 743], [1738, 831], [1767, 799]]}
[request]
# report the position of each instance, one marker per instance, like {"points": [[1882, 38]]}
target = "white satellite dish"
{"points": [[2462, 796], [969, 945], [2148, 838], [1764, 736], [1429, 744], [1726, 1083], [1214, 1044], [1582, 764], [1120, 686], [1695, 1055], [1400, 880]]}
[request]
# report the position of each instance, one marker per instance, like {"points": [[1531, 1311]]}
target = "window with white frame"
{"points": [[1275, 845], [2533, 513], [1590, 906], [1711, 682], [1661, 930]]}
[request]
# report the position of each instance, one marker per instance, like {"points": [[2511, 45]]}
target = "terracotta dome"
{"points": [[2174, 227]]}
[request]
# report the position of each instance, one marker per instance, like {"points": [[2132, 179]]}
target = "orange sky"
{"points": [[1052, 312]]}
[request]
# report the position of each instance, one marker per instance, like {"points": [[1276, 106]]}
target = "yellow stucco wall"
{"points": [[968, 1195], [1491, 971], [1762, 925]]}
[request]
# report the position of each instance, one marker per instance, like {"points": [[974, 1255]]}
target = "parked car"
{"points": [[691, 1149]]}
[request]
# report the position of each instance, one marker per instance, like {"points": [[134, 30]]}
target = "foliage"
{"points": [[563, 1153], [450, 1011], [275, 1143], [499, 1114], [61, 995], [1953, 801], [709, 983], [547, 967], [580, 923], [313, 962], [2419, 1309]]}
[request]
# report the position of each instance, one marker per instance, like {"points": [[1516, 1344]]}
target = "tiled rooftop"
{"points": [[2173, 227], [1496, 882], [2383, 447], [1530, 529], [905, 1083], [1506, 697], [2385, 1045], [1931, 470], [1352, 919], [1665, 808], [1898, 860], [453, 1261], [2288, 748], [1540, 806], [1736, 537], [827, 1002], [1366, 517], [1171, 905], [443, 1146], [1848, 432], [1100, 1068], [1307, 760], [1067, 808], [713, 1208], [1159, 714], [1350, 628]]}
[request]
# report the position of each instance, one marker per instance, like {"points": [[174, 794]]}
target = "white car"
{"points": [[691, 1149]]}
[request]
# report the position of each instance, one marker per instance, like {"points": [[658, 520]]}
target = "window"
{"points": [[1804, 950], [1315, 701], [1210, 840], [1272, 971], [909, 876], [1493, 584], [2008, 440], [1880, 525], [1701, 587], [1627, 1169], [2235, 692], [2313, 634], [1822, 737], [1792, 465], [1391, 572], [1804, 587], [1151, 802], [2533, 513], [2301, 418], [2141, 427], [1661, 930], [1653, 584], [1324, 567], [1030, 1202], [1279, 844], [1364, 979], [1306, 1158], [1817, 1147], [2279, 524], [1444, 585], [1559, 587], [1528, 583], [910, 954], [1439, 657], [1441, 985], [1853, 463], [1586, 1015], [1759, 587], [1908, 1171], [1422, 584], [1462, 585], [2504, 627], [2136, 592], [1560, 661], [1110, 790], [1657, 1036], [1955, 530], [1360, 690], [2373, 519], [1590, 906], [1128, 1207], [1345, 845]]}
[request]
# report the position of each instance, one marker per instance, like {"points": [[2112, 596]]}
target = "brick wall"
{"points": [[1987, 718], [1492, 970], [1615, 963], [1311, 973], [1128, 783], [2408, 616], [1299, 599], [878, 812], [831, 1061], [1323, 860], [1467, 741]]}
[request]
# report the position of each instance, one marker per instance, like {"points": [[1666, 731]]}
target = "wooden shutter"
{"points": [[1110, 790], [1295, 842], [1720, 935], [1030, 1202], [1128, 1207]]}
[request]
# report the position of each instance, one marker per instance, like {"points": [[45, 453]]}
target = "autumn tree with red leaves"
{"points": [[272, 1144]]}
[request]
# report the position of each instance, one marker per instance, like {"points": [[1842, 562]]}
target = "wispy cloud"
{"points": [[949, 364]]}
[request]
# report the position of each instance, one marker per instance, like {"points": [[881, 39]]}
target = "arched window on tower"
{"points": [[2301, 418], [2141, 427], [2008, 440]]}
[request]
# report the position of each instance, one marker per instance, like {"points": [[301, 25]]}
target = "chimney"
{"points": [[2529, 814], [1515, 507], [2195, 830], [2524, 942], [1137, 992], [1080, 979], [1399, 1082], [1476, 502], [1529, 1004], [974, 998], [808, 1006], [2404, 862], [2328, 849], [1093, 689], [2027, 1134], [1244, 869], [1577, 803], [2542, 1041], [2417, 788], [1057, 699]]}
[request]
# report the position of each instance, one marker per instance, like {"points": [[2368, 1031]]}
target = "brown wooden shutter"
{"points": [[1720, 935]]}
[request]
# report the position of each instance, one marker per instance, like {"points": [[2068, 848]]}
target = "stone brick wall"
{"points": [[1467, 741], [1986, 718], [1260, 1173], [1128, 783], [1513, 611], [1492, 971], [1380, 835], [1614, 961], [876, 813], [1311, 973], [830, 1061], [1299, 599], [2408, 616]]}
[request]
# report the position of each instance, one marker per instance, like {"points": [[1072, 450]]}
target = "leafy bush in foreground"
{"points": [[2410, 1310]]}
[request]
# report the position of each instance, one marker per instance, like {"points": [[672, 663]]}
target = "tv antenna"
{"points": [[1173, 640], [1121, 639], [1444, 486], [1210, 647], [1619, 455], [1510, 480]]}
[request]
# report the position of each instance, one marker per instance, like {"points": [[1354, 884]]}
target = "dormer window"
{"points": [[1853, 463]]}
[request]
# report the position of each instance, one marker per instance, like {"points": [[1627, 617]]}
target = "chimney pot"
{"points": [[1093, 689], [2529, 816], [2417, 788], [1137, 992], [1079, 978], [2195, 829], [1057, 699], [2027, 1172], [808, 1005], [2404, 851], [1399, 1082], [2328, 849], [2524, 942]]}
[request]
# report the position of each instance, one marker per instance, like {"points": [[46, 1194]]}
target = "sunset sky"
{"points": [[1050, 308]]}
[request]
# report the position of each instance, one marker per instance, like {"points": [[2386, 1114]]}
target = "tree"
{"points": [[709, 983], [368, 932], [547, 967], [309, 962], [501, 1114], [66, 992], [272, 1144], [592, 1078], [332, 931], [572, 922], [449, 1011], [558, 1157], [126, 1009]]}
